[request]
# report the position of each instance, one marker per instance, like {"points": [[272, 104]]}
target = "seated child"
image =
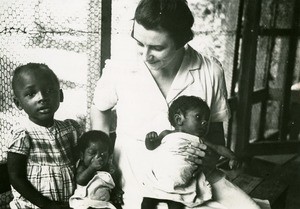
{"points": [[93, 177], [189, 115], [41, 160]]}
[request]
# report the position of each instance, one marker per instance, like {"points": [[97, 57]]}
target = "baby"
{"points": [[189, 115], [94, 169]]}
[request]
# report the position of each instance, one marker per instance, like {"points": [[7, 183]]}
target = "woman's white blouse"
{"points": [[141, 107]]}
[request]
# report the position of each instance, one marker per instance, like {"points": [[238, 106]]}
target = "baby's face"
{"points": [[38, 94], [196, 122], [96, 151]]}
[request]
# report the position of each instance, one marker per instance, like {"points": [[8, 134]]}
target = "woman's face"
{"points": [[156, 47]]}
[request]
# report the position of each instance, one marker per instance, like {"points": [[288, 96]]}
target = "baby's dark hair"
{"points": [[173, 16], [184, 103], [94, 136], [31, 67]]}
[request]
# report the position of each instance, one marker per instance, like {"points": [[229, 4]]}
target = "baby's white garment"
{"points": [[172, 176], [95, 194]]}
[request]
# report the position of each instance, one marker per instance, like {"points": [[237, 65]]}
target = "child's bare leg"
{"points": [[231, 196]]}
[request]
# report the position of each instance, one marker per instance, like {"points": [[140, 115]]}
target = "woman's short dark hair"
{"points": [[184, 103], [173, 16]]}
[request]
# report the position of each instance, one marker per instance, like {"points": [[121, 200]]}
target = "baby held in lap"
{"points": [[172, 176]]}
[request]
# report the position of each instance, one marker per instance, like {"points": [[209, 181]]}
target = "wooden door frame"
{"points": [[246, 96]]}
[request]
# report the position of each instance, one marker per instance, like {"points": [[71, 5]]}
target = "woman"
{"points": [[142, 89]]}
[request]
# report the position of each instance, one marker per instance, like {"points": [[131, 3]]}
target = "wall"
{"points": [[63, 34]]}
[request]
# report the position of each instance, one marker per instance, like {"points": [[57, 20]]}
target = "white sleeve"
{"points": [[105, 95], [219, 108]]}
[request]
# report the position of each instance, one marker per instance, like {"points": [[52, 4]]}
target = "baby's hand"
{"points": [[96, 163], [235, 163], [151, 136], [152, 140]]}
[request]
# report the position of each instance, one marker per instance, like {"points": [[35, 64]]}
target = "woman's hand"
{"points": [[200, 155], [196, 153]]}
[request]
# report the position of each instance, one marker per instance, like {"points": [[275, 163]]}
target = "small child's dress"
{"points": [[96, 194], [51, 164], [171, 175]]}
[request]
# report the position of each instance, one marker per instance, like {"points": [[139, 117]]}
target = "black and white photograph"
{"points": [[150, 104]]}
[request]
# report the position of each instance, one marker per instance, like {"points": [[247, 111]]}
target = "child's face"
{"points": [[96, 151], [196, 122], [38, 94]]}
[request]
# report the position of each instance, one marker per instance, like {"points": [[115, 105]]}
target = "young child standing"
{"points": [[189, 115], [41, 157], [94, 172]]}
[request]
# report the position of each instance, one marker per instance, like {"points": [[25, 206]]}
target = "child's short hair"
{"points": [[184, 103], [32, 67], [94, 136]]}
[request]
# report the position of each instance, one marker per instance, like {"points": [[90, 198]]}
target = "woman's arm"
{"points": [[100, 119], [17, 170]]}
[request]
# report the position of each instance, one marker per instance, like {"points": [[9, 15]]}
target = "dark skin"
{"points": [[84, 175], [35, 90], [153, 140], [213, 141], [93, 159], [17, 169]]}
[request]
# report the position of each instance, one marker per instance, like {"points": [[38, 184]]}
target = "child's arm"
{"points": [[153, 140], [225, 152], [85, 174], [17, 169]]}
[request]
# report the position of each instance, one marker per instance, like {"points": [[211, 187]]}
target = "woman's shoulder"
{"points": [[200, 61], [210, 64], [120, 66]]}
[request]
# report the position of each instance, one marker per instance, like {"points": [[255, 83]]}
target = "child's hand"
{"points": [[152, 140], [97, 163], [117, 197], [234, 163], [151, 136]]}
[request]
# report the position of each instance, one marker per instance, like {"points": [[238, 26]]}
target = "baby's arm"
{"points": [[17, 169], [85, 174], [225, 152], [153, 140]]}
